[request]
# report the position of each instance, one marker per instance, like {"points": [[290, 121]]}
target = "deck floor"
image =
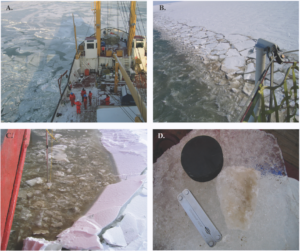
{"points": [[69, 113]]}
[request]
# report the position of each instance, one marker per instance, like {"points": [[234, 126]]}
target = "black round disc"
{"points": [[202, 158]]}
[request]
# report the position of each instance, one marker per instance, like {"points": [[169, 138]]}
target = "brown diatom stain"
{"points": [[237, 189]]}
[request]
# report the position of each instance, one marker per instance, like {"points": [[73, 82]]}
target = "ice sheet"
{"points": [[228, 38], [274, 224]]}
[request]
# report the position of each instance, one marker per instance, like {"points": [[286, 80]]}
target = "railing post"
{"points": [[271, 91], [260, 67], [260, 62]]}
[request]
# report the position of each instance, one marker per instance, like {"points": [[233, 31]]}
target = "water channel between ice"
{"points": [[81, 169], [186, 90]]}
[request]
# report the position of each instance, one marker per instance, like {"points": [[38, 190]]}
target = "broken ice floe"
{"points": [[120, 210], [235, 52]]}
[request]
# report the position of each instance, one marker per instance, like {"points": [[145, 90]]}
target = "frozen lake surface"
{"points": [[37, 46], [195, 71]]}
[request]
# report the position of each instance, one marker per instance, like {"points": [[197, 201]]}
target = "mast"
{"points": [[136, 96], [132, 25], [98, 26], [75, 33]]}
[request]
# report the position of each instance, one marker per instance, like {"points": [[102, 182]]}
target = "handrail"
{"points": [[53, 116], [136, 96], [249, 112]]}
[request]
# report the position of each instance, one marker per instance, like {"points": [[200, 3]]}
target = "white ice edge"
{"points": [[137, 181]]}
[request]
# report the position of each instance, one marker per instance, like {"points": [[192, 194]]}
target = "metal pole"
{"points": [[260, 67], [260, 62], [47, 156], [271, 91]]}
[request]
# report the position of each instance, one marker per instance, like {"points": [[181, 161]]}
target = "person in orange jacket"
{"points": [[72, 98], [78, 104], [82, 93], [85, 101], [107, 100], [90, 97]]}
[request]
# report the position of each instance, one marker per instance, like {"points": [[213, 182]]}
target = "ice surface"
{"points": [[232, 64], [115, 236], [129, 153], [234, 33], [130, 157], [274, 224], [244, 45], [34, 181], [31, 243], [70, 195], [129, 227], [249, 68], [248, 88], [237, 189], [83, 234], [38, 45], [235, 20], [232, 52]]}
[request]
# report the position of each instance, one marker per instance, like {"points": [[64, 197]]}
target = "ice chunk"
{"points": [[237, 189], [249, 68], [222, 46], [115, 237], [244, 45], [31, 243], [232, 64], [83, 234], [129, 227], [57, 136], [278, 77], [232, 52], [35, 181], [248, 88], [59, 173], [236, 38]]}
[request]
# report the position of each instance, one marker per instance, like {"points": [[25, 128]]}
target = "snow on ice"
{"points": [[227, 32]]}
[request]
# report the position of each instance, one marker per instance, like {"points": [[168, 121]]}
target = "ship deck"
{"points": [[99, 89]]}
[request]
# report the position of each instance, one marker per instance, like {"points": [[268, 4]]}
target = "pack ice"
{"points": [[223, 37], [119, 214]]}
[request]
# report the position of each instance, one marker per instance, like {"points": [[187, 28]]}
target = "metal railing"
{"points": [[257, 111]]}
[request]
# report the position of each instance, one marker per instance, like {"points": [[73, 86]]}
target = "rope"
{"points": [[288, 51], [51, 156], [126, 112], [261, 79]]}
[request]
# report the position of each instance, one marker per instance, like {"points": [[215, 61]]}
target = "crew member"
{"points": [[72, 98], [107, 100], [78, 104], [85, 101], [82, 93], [90, 97]]}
